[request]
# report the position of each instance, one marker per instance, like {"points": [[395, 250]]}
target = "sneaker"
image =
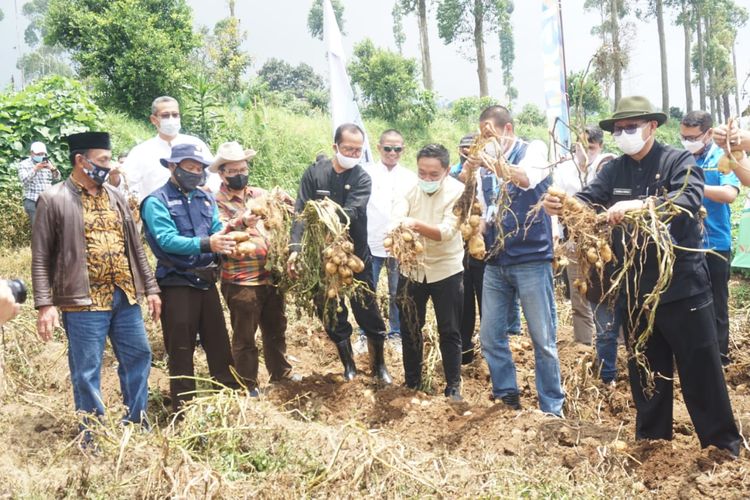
{"points": [[360, 345], [394, 340], [453, 394], [513, 400]]}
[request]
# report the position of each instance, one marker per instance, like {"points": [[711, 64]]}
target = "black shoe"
{"points": [[454, 394], [512, 400], [347, 358], [467, 358], [377, 360]]}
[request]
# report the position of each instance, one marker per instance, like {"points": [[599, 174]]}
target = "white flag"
{"points": [[344, 108]]}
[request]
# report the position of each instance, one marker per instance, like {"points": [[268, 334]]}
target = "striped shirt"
{"points": [[249, 270], [35, 182]]}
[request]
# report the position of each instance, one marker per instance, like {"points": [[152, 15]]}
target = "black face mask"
{"points": [[98, 174], [189, 181], [237, 182]]}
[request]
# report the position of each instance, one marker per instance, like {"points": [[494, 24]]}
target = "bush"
{"points": [[467, 109], [46, 111], [531, 115]]}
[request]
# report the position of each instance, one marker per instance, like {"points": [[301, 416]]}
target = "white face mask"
{"points": [[491, 149], [346, 162], [169, 126], [692, 146], [631, 144]]}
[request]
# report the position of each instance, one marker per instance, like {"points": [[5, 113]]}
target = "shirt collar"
{"points": [[706, 150], [223, 189]]}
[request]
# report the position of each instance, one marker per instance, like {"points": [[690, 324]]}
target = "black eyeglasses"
{"points": [[390, 149], [167, 114]]}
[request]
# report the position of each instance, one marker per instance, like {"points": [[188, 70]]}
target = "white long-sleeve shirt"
{"points": [[145, 173], [388, 186]]}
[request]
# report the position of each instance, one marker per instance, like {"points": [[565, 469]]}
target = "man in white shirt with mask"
{"points": [[390, 183], [142, 169]]}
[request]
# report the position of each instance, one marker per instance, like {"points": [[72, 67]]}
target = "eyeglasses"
{"points": [[232, 173], [167, 114], [692, 137], [391, 149], [628, 129]]}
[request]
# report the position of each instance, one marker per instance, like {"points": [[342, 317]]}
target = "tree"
{"points": [[685, 18], [229, 60], [655, 9], [397, 13], [300, 80], [389, 86], [419, 7], [507, 53], [612, 56], [463, 20], [133, 50], [315, 17], [45, 59], [531, 115], [585, 94]]}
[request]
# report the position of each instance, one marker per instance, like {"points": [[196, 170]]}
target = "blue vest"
{"points": [[527, 239], [192, 218]]}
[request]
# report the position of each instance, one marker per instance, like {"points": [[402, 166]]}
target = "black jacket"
{"points": [[665, 172], [351, 189]]}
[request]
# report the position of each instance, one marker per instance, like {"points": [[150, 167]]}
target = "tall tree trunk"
{"points": [[727, 108], [231, 8], [688, 71], [712, 96], [701, 61], [424, 44], [617, 70], [663, 57], [479, 44], [736, 81]]}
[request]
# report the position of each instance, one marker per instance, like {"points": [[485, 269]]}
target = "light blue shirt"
{"points": [[718, 223]]}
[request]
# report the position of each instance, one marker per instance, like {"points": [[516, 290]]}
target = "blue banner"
{"points": [[555, 94]]}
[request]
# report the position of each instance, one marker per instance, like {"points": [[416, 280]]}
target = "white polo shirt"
{"points": [[388, 186]]}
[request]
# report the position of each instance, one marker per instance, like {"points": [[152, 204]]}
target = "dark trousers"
{"points": [[187, 312], [473, 277], [684, 329], [718, 269], [447, 300], [251, 307], [364, 307]]}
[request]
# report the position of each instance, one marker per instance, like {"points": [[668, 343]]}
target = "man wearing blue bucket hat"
{"points": [[183, 229]]}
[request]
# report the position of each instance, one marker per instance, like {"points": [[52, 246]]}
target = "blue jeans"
{"points": [[391, 266], [87, 333], [532, 282], [607, 324]]}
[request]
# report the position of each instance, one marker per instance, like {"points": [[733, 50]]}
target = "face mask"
{"points": [[237, 182], [631, 144], [37, 159], [346, 162], [169, 126], [98, 174], [692, 146], [430, 187], [188, 181]]}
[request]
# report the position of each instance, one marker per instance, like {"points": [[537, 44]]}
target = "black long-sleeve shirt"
{"points": [[664, 172], [351, 189]]}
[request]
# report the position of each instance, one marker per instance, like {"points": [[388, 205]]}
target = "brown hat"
{"points": [[230, 151]]}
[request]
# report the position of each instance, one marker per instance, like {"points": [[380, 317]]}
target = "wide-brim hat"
{"points": [[185, 152], [230, 151], [633, 107]]}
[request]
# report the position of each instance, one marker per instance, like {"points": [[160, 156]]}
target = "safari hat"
{"points": [[185, 152], [230, 151], [633, 107]]}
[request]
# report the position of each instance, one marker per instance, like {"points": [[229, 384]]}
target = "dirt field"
{"points": [[323, 437]]}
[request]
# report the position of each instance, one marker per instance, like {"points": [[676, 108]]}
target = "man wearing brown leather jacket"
{"points": [[87, 260]]}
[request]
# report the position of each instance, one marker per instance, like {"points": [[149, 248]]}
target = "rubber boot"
{"points": [[347, 358], [377, 360]]}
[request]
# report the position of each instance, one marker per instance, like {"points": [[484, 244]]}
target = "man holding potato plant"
{"points": [[185, 234], [427, 210], [684, 328], [246, 284], [520, 263], [343, 180]]}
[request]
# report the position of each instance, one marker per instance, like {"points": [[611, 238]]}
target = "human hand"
{"points": [[222, 243], [552, 204], [291, 265], [738, 139], [154, 306], [617, 212], [47, 320]]}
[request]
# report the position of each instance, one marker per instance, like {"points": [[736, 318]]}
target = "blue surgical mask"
{"points": [[37, 159], [430, 187]]}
